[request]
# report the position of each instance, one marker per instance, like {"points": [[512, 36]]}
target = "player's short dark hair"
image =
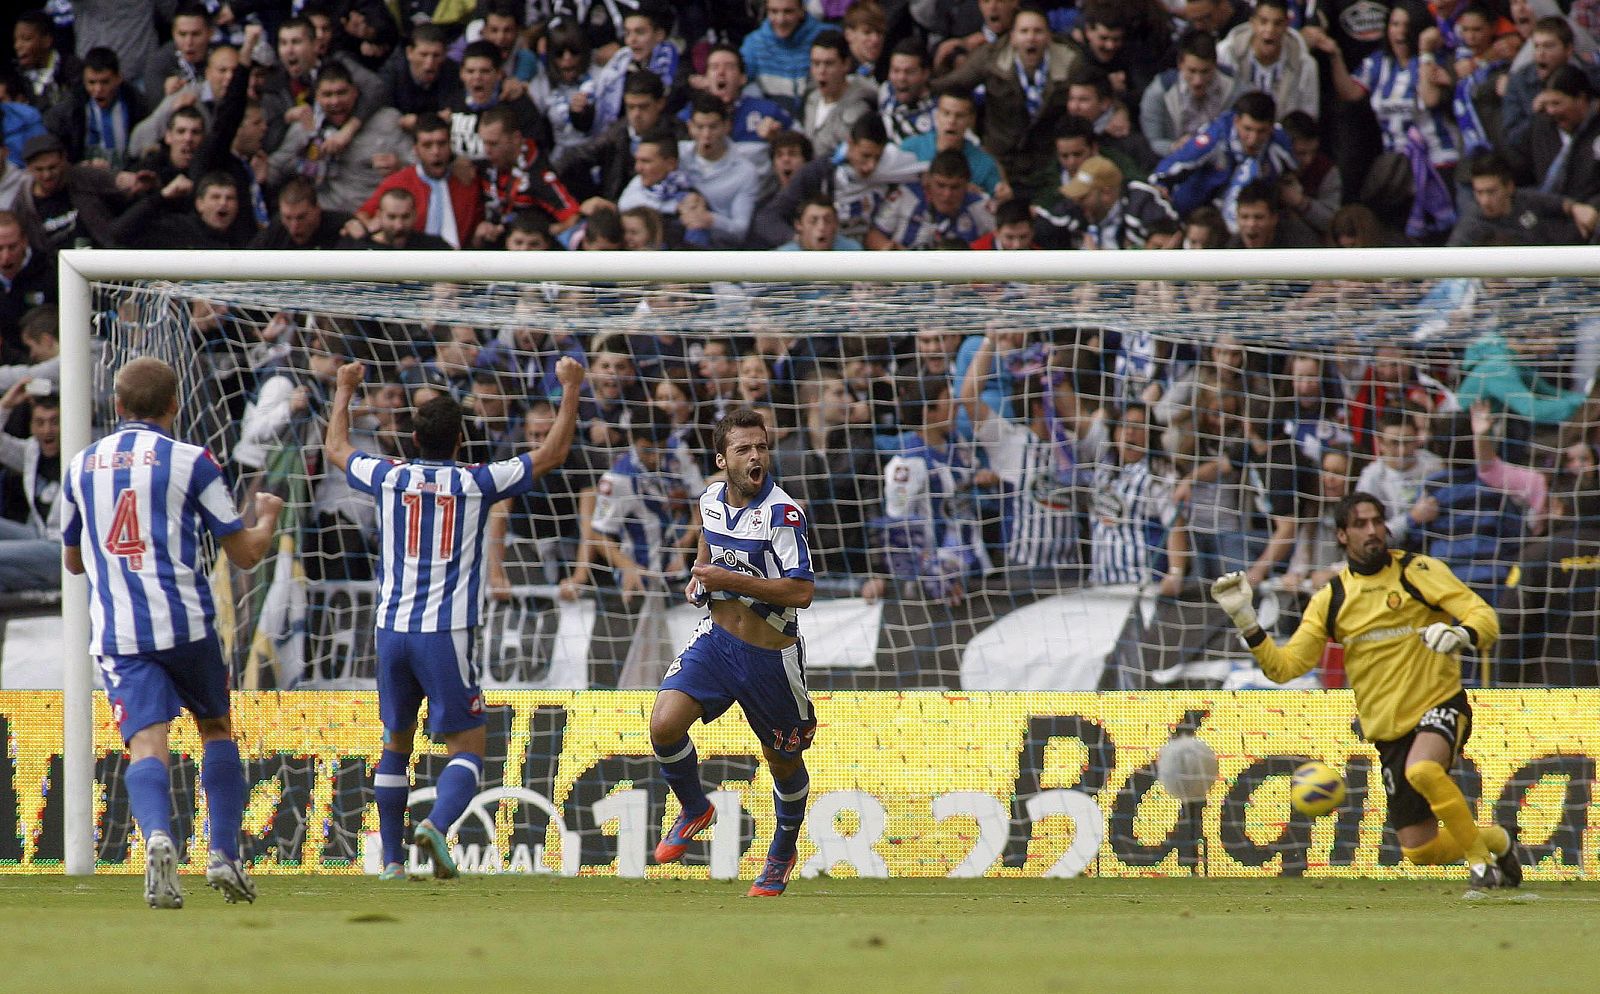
{"points": [[437, 425], [301, 23], [400, 193], [1200, 44], [917, 395], [795, 140], [644, 84], [951, 164], [504, 115], [659, 14], [709, 103], [102, 59], [913, 48], [1257, 106], [834, 42], [1013, 211], [1282, 5], [146, 388], [1491, 164], [742, 417], [1345, 509], [482, 50], [428, 123], [869, 128], [1261, 191]]}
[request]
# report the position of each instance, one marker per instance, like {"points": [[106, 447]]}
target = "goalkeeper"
{"points": [[1402, 620]]}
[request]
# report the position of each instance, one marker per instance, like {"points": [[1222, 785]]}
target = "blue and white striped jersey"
{"points": [[136, 503], [431, 518], [1130, 511], [1397, 102], [647, 510], [765, 538]]}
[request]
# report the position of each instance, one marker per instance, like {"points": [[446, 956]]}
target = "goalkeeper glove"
{"points": [[1232, 593], [1446, 639]]}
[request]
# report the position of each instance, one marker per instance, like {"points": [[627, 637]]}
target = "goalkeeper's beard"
{"points": [[1370, 557]]}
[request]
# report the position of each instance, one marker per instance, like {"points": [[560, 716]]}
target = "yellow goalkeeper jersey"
{"points": [[1395, 677]]}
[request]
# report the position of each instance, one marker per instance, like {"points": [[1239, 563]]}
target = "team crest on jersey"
{"points": [[1393, 600], [755, 518]]}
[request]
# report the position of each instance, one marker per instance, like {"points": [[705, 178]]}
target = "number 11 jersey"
{"points": [[431, 520]]}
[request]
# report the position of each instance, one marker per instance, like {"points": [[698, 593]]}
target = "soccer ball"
{"points": [[1187, 768], [1316, 789]]}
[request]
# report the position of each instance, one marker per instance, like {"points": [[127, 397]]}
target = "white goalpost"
{"points": [[79, 268]]}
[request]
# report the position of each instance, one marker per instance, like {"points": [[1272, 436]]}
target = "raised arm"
{"points": [[552, 452], [249, 546], [336, 439]]}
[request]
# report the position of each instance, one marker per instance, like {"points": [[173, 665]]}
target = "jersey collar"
{"points": [[735, 513], [136, 424]]}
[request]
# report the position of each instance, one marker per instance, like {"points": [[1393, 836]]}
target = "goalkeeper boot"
{"points": [[672, 845], [432, 843], [392, 871], [231, 878], [1484, 878], [161, 888], [1511, 862], [774, 877]]}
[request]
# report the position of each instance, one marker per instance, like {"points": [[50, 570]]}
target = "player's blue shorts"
{"points": [[717, 668], [438, 666], [149, 688]]}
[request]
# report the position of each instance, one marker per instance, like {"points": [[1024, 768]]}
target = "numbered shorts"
{"points": [[437, 666], [717, 668], [149, 688], [1453, 720]]}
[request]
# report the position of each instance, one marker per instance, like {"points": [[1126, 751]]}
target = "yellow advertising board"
{"points": [[902, 784]]}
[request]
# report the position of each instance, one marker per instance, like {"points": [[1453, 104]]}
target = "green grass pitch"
{"points": [[331, 934]]}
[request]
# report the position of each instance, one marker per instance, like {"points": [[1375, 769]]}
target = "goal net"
{"points": [[1009, 485], [1050, 528]]}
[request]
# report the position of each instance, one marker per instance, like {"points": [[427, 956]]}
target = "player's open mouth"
{"points": [[754, 474]]}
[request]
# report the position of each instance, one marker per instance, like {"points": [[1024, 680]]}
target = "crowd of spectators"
{"points": [[932, 460]]}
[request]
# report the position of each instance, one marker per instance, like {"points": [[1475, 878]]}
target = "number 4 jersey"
{"points": [[431, 520], [137, 503]]}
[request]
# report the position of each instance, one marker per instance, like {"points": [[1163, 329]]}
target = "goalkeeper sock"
{"points": [[680, 765], [1448, 804], [149, 795], [1441, 850], [789, 804], [222, 779], [1496, 838], [457, 786], [391, 783]]}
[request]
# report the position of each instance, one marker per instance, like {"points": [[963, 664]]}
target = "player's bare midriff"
{"points": [[745, 625]]}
